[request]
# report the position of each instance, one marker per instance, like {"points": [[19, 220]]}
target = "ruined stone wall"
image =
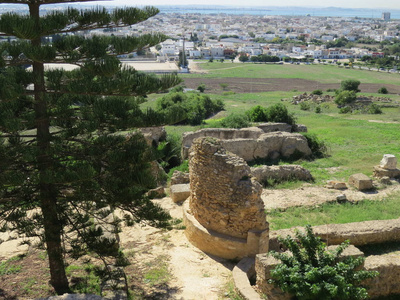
{"points": [[224, 196], [251, 133]]}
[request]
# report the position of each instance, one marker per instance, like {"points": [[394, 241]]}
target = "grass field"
{"points": [[320, 73]]}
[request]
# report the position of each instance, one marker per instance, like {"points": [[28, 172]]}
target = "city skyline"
{"points": [[370, 4]]}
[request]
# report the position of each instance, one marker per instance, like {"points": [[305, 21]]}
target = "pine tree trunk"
{"points": [[47, 191]]}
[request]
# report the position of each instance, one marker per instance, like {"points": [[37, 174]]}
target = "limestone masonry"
{"points": [[224, 196]]}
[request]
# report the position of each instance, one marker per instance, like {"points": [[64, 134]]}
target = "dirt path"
{"points": [[309, 195]]}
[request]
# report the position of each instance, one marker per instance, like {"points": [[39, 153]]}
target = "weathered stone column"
{"points": [[225, 201]]}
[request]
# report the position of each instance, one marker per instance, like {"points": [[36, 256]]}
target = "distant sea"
{"points": [[282, 11], [241, 10]]}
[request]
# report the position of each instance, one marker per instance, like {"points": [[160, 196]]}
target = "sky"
{"points": [[388, 4]]}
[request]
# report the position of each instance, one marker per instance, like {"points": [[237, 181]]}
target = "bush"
{"points": [[279, 113], [201, 88], [168, 152], [193, 107], [257, 114], [350, 85], [305, 106], [345, 97], [318, 109], [345, 110], [374, 109], [317, 92], [331, 90], [383, 90], [318, 147], [313, 272], [236, 121]]}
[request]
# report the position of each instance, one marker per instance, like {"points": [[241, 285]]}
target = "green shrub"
{"points": [[383, 90], [318, 147], [374, 109], [183, 167], [305, 106], [345, 97], [345, 110], [235, 120], [311, 271], [193, 107], [257, 114], [176, 89], [350, 85], [201, 88], [318, 109], [168, 152], [280, 114], [317, 92], [331, 90]]}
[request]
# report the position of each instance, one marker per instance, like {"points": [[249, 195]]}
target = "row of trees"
{"points": [[63, 169]]}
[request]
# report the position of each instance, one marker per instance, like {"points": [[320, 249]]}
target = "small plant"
{"points": [[211, 60], [318, 109], [280, 114], [317, 92], [345, 110], [201, 88], [345, 97], [305, 106], [318, 147], [383, 90], [257, 114], [313, 272], [235, 120], [374, 109], [331, 90], [224, 86], [9, 267]]}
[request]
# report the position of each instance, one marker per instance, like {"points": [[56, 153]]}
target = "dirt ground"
{"points": [[259, 85], [164, 264]]}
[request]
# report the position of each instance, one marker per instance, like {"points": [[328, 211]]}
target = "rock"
{"points": [[156, 193], [154, 135], [179, 192], [300, 128], [281, 173], [385, 180], [380, 172], [179, 177], [271, 127], [361, 181], [337, 185], [158, 172], [341, 198], [388, 161]]}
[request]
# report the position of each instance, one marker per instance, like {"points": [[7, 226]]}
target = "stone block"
{"points": [[179, 192], [179, 178], [361, 181], [337, 185], [380, 172], [389, 161]]}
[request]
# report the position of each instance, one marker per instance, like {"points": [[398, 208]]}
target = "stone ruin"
{"points": [[387, 167], [225, 214], [269, 140]]}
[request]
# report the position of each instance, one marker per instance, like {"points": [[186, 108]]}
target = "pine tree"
{"points": [[64, 167]]}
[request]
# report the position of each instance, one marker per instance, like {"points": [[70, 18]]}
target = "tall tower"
{"points": [[386, 16]]}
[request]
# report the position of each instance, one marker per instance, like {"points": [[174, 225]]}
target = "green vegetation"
{"points": [[189, 108], [9, 267], [158, 272], [236, 120], [335, 213], [383, 90], [350, 85], [345, 97], [311, 271], [277, 113], [63, 168]]}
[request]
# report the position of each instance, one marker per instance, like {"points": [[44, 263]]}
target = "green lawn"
{"points": [[320, 73]]}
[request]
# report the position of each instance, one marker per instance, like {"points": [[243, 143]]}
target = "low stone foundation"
{"points": [[222, 245]]}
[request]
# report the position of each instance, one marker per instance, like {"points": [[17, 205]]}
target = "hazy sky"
{"points": [[388, 4]]}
